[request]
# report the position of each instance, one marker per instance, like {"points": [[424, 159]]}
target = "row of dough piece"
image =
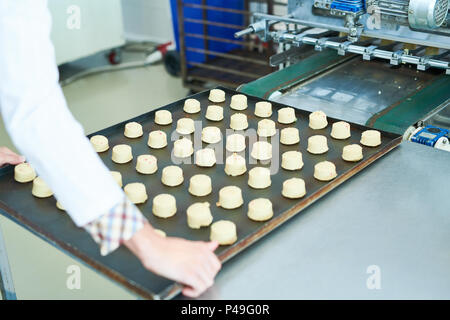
{"points": [[198, 214], [200, 185], [266, 128], [235, 164], [261, 150]]}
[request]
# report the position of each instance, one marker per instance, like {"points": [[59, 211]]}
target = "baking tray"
{"points": [[43, 218]]}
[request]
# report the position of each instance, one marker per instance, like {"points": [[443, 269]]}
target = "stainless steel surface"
{"points": [[7, 291], [394, 214], [441, 117], [355, 91]]}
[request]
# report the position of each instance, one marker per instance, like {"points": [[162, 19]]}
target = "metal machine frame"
{"points": [[304, 13]]}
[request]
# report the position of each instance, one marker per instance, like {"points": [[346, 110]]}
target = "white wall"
{"points": [[101, 28], [147, 20]]}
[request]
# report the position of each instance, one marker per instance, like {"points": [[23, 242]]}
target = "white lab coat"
{"points": [[37, 118]]}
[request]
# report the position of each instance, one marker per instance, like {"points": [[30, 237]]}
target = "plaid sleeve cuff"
{"points": [[117, 226]]}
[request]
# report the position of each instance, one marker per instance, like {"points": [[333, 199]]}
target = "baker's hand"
{"points": [[9, 157], [192, 263]]}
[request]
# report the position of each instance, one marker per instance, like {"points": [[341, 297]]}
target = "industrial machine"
{"points": [[381, 63]]}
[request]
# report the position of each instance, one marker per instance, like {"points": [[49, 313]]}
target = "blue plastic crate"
{"points": [[215, 31]]}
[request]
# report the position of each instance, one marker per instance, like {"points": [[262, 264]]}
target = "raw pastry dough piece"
{"points": [[199, 215], [263, 109], [205, 157], [160, 233], [214, 113], [172, 176], [117, 176], [293, 188], [230, 197], [136, 192], [325, 171], [23, 172], [216, 95], [59, 206], [163, 117], [157, 139], [260, 209], [266, 128], [317, 144], [200, 185], [100, 143], [340, 130], [235, 165], [286, 115], [183, 148], [238, 102], [238, 121], [191, 106], [164, 205], [352, 152], [371, 138], [146, 164], [289, 136], [224, 232], [41, 189], [235, 143], [262, 150], [292, 160], [318, 120], [185, 126], [211, 135], [259, 178], [121, 153], [133, 130]]}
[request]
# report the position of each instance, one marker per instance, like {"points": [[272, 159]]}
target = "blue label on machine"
{"points": [[429, 135]]}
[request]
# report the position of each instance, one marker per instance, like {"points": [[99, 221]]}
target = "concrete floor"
{"points": [[97, 102]]}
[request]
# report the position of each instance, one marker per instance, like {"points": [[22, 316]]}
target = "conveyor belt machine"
{"points": [[381, 63]]}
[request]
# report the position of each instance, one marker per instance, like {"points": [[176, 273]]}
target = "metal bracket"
{"points": [[423, 64], [342, 49], [396, 57], [368, 52], [320, 44]]}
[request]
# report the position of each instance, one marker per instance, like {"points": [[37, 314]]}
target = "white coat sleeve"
{"points": [[37, 118]]}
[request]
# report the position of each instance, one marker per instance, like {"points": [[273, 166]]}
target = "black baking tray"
{"points": [[43, 218]]}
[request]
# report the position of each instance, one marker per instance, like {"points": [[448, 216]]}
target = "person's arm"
{"points": [[44, 131], [37, 118]]}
